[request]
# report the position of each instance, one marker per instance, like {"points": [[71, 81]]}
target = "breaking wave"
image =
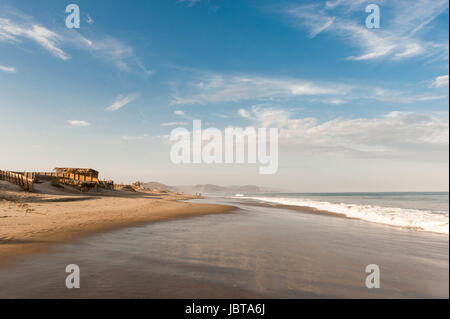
{"points": [[426, 220]]}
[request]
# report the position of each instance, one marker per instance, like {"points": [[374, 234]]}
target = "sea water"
{"points": [[428, 211]]}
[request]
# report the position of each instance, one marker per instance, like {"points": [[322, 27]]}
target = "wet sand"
{"points": [[32, 222], [253, 252]]}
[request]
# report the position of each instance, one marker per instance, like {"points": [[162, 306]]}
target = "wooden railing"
{"points": [[72, 176], [25, 180]]}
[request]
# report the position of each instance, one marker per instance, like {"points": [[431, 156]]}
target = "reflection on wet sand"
{"points": [[253, 252]]}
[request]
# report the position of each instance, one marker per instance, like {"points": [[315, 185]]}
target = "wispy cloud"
{"points": [[121, 101], [110, 50], [399, 39], [224, 88], [440, 81], [7, 69], [244, 113], [190, 3], [389, 95], [78, 123], [13, 31], [388, 135], [107, 49], [16, 27], [180, 113], [144, 68], [134, 138], [206, 88], [174, 124]]}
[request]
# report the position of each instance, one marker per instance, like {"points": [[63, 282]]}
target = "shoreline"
{"points": [[32, 222], [321, 212], [303, 209], [260, 252]]}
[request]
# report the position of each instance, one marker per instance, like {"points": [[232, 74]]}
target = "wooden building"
{"points": [[77, 174]]}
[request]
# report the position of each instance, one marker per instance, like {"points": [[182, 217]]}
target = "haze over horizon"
{"points": [[358, 109]]}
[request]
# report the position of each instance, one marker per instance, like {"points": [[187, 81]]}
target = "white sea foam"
{"points": [[411, 218]]}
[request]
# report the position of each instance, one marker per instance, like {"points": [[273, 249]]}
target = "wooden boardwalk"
{"points": [[80, 181], [25, 180]]}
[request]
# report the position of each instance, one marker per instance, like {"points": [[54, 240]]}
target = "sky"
{"points": [[357, 109]]}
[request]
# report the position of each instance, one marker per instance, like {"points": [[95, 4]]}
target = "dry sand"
{"points": [[29, 222]]}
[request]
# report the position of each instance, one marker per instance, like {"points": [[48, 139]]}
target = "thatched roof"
{"points": [[76, 170]]}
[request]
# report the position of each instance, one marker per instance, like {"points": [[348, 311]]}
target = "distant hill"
{"points": [[210, 188], [160, 186]]}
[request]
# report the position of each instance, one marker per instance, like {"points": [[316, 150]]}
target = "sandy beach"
{"points": [[29, 222], [137, 243], [252, 252]]}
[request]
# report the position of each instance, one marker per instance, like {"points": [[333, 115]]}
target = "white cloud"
{"points": [[244, 113], [8, 69], [78, 123], [222, 88], [49, 40], [18, 27], [397, 39], [317, 23], [210, 88], [121, 101], [108, 49], [322, 28], [179, 113], [144, 68], [331, 100], [190, 3], [394, 134], [174, 124], [336, 101], [440, 81], [134, 138], [388, 95]]}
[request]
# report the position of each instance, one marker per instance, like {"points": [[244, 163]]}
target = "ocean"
{"points": [[426, 211]]}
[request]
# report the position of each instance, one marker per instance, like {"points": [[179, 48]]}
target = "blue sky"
{"points": [[357, 108]]}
